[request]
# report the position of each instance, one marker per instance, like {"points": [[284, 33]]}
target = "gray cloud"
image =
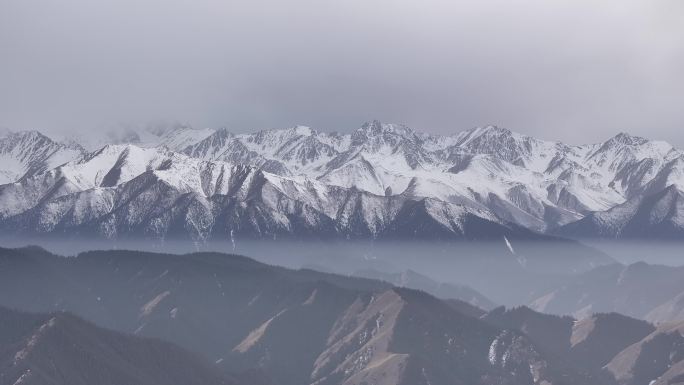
{"points": [[573, 70]]}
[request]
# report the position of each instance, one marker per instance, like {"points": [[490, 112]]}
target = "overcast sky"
{"points": [[572, 70]]}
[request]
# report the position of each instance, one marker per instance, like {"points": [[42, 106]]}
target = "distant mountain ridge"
{"points": [[651, 292], [379, 180]]}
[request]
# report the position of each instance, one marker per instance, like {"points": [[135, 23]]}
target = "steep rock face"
{"points": [[30, 152], [358, 351]]}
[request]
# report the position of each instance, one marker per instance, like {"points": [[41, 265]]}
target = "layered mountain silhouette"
{"points": [[305, 327], [640, 290], [61, 349]]}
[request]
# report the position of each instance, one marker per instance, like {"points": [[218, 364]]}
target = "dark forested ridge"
{"points": [[60, 348], [284, 326]]}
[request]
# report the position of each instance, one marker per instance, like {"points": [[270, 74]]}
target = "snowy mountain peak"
{"points": [[489, 130], [303, 130], [26, 135], [28, 152], [224, 132], [131, 151], [512, 147], [373, 128], [624, 150], [494, 137], [626, 139], [377, 128], [491, 171]]}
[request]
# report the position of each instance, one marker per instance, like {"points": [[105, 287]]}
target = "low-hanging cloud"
{"points": [[574, 70]]}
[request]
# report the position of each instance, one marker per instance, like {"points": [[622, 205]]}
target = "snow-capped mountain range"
{"points": [[381, 180]]}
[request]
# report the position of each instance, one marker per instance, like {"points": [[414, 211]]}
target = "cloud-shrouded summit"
{"points": [[575, 71]]}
